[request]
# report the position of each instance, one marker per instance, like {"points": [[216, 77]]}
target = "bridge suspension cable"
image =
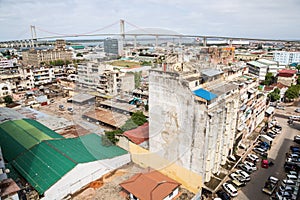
{"points": [[81, 34]]}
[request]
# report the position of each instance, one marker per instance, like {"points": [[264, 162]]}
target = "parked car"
{"points": [[260, 151], [253, 158], [297, 138], [286, 189], [246, 168], [236, 183], [271, 134], [280, 107], [244, 174], [230, 189], [250, 164], [283, 195], [238, 177], [297, 110], [286, 182], [295, 149], [265, 148], [223, 195]]}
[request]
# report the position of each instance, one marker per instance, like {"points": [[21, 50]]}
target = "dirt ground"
{"points": [[110, 189]]}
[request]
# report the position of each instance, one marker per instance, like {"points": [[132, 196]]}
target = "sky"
{"points": [[273, 19]]}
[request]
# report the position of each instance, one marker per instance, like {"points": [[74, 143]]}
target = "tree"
{"points": [[292, 92], [8, 99], [298, 80], [269, 79], [274, 95], [110, 137]]}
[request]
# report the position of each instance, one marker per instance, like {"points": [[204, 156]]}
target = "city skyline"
{"points": [[232, 18]]}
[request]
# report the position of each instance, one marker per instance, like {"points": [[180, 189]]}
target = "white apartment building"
{"points": [[104, 79], [262, 66], [286, 57]]}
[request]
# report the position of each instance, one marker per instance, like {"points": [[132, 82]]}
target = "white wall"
{"points": [[83, 174], [175, 192]]}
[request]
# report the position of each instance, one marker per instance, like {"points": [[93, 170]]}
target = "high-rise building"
{"points": [[111, 46]]}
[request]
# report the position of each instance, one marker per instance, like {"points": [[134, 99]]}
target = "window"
{"points": [[171, 194]]}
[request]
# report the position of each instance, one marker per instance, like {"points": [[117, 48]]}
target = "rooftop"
{"points": [[257, 64], [81, 98], [108, 117], [204, 94], [17, 136], [139, 134], [150, 186], [211, 72]]}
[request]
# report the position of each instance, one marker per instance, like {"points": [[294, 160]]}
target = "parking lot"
{"points": [[277, 154]]}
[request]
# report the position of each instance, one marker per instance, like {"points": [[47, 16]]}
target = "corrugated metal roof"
{"points": [[43, 157], [205, 94], [19, 135], [42, 166], [86, 148]]}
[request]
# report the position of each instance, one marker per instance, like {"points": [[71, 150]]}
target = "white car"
{"points": [[250, 164], [253, 157], [297, 110], [244, 174], [237, 177], [230, 189]]}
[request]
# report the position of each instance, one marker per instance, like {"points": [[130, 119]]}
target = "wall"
{"points": [[186, 132], [145, 158], [82, 175]]}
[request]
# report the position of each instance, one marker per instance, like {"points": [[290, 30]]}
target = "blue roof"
{"points": [[205, 94]]}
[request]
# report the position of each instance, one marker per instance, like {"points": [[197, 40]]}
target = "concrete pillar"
{"points": [[122, 33], [135, 41], [204, 41], [156, 41]]}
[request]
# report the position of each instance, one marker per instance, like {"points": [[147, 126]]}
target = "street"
{"points": [[277, 154]]}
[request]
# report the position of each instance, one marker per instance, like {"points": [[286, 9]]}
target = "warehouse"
{"points": [[55, 166]]}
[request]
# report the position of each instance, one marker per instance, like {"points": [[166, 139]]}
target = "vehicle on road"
{"points": [[244, 174], [297, 110], [230, 189], [223, 195], [270, 185]]}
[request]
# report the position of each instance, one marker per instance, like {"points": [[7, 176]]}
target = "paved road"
{"points": [[281, 145]]}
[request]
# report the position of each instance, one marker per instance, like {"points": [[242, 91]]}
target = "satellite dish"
{"points": [[7, 171]]}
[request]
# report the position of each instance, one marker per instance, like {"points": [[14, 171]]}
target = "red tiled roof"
{"points": [[280, 85], [150, 186], [287, 72], [139, 134]]}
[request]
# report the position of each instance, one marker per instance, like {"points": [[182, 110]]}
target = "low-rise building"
{"points": [[287, 77], [151, 186]]}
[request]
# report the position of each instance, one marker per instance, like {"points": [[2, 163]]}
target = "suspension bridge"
{"points": [[138, 32]]}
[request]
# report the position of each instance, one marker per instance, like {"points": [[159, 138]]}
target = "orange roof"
{"points": [[139, 134], [150, 186]]}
